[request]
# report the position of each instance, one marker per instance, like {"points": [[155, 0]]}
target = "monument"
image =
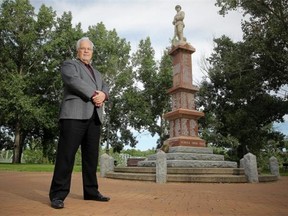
{"points": [[183, 117], [185, 147], [184, 157]]}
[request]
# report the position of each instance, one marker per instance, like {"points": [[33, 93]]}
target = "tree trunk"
{"points": [[17, 150]]}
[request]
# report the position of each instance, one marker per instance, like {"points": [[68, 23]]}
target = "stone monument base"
{"points": [[193, 157]]}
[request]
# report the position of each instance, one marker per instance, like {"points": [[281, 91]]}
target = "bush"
{"points": [[33, 156], [36, 157]]}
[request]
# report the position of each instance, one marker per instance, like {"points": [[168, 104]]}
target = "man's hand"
{"points": [[99, 98]]}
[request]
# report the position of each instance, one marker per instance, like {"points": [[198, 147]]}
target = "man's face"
{"points": [[85, 51]]}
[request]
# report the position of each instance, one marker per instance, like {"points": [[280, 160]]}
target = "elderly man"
{"points": [[80, 121]]}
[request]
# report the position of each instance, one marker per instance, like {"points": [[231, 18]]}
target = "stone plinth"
{"points": [[183, 117], [182, 65], [190, 157]]}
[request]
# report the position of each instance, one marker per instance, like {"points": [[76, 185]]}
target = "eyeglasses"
{"points": [[84, 49]]}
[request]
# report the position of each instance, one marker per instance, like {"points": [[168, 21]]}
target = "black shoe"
{"points": [[57, 203], [98, 197]]}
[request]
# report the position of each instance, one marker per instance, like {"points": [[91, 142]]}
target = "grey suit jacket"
{"points": [[79, 86]]}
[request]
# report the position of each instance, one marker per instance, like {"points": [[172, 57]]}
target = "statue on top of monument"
{"points": [[179, 26]]}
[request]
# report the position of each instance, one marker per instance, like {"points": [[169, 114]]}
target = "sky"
{"points": [[135, 20]]}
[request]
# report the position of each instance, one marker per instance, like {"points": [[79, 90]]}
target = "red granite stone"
{"points": [[183, 117]]}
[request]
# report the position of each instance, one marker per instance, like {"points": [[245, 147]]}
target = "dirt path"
{"points": [[26, 194]]}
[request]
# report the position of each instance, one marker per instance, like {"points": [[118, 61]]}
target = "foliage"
{"points": [[33, 157], [153, 100], [138, 96], [138, 153], [111, 58], [32, 47], [266, 31], [237, 98], [271, 149]]}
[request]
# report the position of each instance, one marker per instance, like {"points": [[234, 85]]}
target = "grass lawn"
{"points": [[77, 168], [31, 167]]}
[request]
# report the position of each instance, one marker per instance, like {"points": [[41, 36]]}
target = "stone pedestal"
{"points": [[183, 118], [186, 149]]}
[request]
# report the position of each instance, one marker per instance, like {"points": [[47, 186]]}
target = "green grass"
{"points": [[77, 168], [283, 172], [32, 167]]}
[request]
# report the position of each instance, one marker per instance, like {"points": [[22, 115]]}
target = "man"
{"points": [[179, 24], [80, 124]]}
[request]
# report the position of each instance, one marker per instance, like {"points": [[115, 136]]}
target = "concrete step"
{"points": [[131, 176], [191, 164], [179, 178], [206, 171], [188, 149], [178, 170], [207, 178], [188, 178], [135, 169], [189, 156]]}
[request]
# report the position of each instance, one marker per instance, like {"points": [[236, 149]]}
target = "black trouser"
{"points": [[74, 133]]}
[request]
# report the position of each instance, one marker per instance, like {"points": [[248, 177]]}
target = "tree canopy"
{"points": [[240, 95]]}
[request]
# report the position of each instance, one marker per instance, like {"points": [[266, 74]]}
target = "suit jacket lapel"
{"points": [[97, 78], [87, 71]]}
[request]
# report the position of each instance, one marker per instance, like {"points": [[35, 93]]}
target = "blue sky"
{"points": [[137, 19]]}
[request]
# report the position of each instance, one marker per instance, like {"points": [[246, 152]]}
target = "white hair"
{"points": [[83, 39]]}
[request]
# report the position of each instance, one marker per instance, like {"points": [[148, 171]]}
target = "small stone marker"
{"points": [[242, 163], [161, 167], [106, 164], [274, 166], [250, 168]]}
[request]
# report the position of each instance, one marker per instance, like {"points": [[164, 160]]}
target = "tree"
{"points": [[266, 30], [237, 96], [59, 45], [162, 99], [32, 47], [111, 58], [145, 71], [153, 99], [19, 109]]}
